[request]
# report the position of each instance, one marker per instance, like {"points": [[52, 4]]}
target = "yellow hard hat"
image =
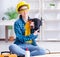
{"points": [[22, 3]]}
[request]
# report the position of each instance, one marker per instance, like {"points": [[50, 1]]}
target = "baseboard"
{"points": [[37, 40], [48, 40], [2, 39]]}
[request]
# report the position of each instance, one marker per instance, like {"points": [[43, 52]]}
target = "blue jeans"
{"points": [[20, 49]]}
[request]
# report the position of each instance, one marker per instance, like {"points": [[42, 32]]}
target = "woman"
{"points": [[23, 41]]}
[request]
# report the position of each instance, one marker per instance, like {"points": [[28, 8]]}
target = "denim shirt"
{"points": [[20, 30]]}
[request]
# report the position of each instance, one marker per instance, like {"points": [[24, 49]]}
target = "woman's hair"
{"points": [[20, 16]]}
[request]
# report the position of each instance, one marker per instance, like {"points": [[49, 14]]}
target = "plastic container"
{"points": [[27, 54]]}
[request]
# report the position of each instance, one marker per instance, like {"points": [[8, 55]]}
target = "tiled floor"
{"points": [[52, 46]]}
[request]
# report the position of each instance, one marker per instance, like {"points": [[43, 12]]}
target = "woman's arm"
{"points": [[20, 35]]}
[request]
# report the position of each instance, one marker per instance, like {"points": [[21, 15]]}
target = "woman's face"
{"points": [[24, 13]]}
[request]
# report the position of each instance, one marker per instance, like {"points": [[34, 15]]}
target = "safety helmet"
{"points": [[21, 4]]}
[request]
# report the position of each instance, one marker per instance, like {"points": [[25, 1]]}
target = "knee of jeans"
{"points": [[14, 50]]}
